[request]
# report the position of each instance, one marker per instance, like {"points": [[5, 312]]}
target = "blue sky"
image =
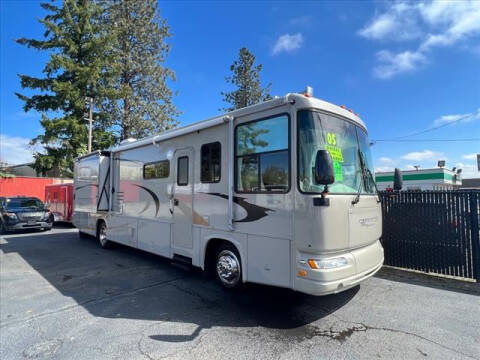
{"points": [[403, 66]]}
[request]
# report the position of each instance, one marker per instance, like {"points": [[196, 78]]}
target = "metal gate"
{"points": [[432, 231]]}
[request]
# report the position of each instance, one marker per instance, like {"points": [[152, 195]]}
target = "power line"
{"points": [[466, 116]]}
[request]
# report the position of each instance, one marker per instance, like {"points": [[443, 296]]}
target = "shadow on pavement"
{"points": [[129, 283], [432, 281]]}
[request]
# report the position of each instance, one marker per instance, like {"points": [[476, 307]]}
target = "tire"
{"points": [[228, 267], [102, 235], [3, 230]]}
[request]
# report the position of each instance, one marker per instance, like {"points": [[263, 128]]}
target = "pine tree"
{"points": [[246, 79], [78, 45], [143, 102]]}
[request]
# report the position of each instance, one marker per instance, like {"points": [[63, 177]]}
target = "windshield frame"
{"points": [[297, 148]]}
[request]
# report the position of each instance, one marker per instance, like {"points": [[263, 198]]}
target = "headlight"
{"points": [[46, 215], [325, 264], [10, 216]]}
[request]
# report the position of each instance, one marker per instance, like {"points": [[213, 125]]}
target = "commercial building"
{"points": [[422, 179]]}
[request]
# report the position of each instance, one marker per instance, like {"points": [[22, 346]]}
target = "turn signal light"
{"points": [[302, 273]]}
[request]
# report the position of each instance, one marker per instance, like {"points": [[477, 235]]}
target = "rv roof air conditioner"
{"points": [[127, 141]]}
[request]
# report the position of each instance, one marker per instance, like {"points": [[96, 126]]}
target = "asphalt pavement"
{"points": [[63, 297]]}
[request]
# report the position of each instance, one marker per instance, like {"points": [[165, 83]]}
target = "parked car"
{"points": [[20, 213]]}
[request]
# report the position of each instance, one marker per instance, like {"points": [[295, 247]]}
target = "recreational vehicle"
{"points": [[279, 193]]}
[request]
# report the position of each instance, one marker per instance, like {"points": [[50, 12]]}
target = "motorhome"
{"points": [[279, 193]]}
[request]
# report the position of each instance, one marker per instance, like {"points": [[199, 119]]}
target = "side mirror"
{"points": [[47, 206], [324, 174], [397, 180]]}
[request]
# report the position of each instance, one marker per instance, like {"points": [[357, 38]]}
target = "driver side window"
{"points": [[262, 156]]}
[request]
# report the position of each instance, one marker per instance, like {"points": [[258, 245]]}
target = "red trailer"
{"points": [[60, 199]]}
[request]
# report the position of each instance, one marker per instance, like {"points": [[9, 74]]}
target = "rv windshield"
{"points": [[345, 142]]}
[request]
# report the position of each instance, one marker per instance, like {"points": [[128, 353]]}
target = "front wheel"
{"points": [[102, 235], [228, 268], [3, 229]]}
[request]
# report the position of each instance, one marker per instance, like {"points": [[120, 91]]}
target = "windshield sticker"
{"points": [[331, 139], [337, 170], [332, 147], [335, 152]]}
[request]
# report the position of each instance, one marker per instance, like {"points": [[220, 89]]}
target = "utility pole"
{"points": [[90, 123]]}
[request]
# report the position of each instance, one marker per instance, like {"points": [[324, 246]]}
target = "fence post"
{"points": [[474, 203]]}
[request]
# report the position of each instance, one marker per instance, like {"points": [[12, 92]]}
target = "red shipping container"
{"points": [[25, 186]]}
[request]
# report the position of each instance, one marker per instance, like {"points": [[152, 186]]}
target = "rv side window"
{"points": [[182, 171], [87, 169], [157, 170], [263, 155], [210, 164]]}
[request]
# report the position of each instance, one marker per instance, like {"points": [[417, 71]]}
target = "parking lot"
{"points": [[63, 297]]}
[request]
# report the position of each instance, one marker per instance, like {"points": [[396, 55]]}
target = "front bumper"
{"points": [[363, 263], [25, 226]]}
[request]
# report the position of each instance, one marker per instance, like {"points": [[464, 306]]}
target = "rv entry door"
{"points": [[181, 203]]}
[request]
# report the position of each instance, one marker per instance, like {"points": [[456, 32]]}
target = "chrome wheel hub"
{"points": [[228, 268], [102, 234]]}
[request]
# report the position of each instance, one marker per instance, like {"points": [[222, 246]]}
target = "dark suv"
{"points": [[21, 213]]}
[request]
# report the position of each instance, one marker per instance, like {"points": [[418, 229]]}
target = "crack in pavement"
{"points": [[91, 301], [341, 336]]}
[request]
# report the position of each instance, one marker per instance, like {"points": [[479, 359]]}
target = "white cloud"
{"points": [[469, 156], [288, 43], [392, 64], [386, 160], [456, 20], [15, 150], [434, 23], [383, 168], [446, 119], [397, 23], [423, 155]]}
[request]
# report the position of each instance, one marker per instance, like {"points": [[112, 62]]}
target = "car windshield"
{"points": [[24, 203], [348, 146]]}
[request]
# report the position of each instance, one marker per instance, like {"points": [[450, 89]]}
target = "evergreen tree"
{"points": [[143, 102], [246, 79], [78, 44]]}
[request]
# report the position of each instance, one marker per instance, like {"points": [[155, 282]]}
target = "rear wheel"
{"points": [[228, 268], [102, 235]]}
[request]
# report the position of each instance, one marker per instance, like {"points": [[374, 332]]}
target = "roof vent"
{"points": [[127, 141]]}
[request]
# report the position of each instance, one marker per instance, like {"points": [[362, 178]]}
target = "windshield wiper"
{"points": [[362, 170], [375, 184]]}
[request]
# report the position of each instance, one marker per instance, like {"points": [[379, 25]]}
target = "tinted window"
{"points": [[247, 172], [261, 136], [210, 164], [87, 169], [156, 170], [24, 203], [262, 156], [274, 171], [182, 171]]}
